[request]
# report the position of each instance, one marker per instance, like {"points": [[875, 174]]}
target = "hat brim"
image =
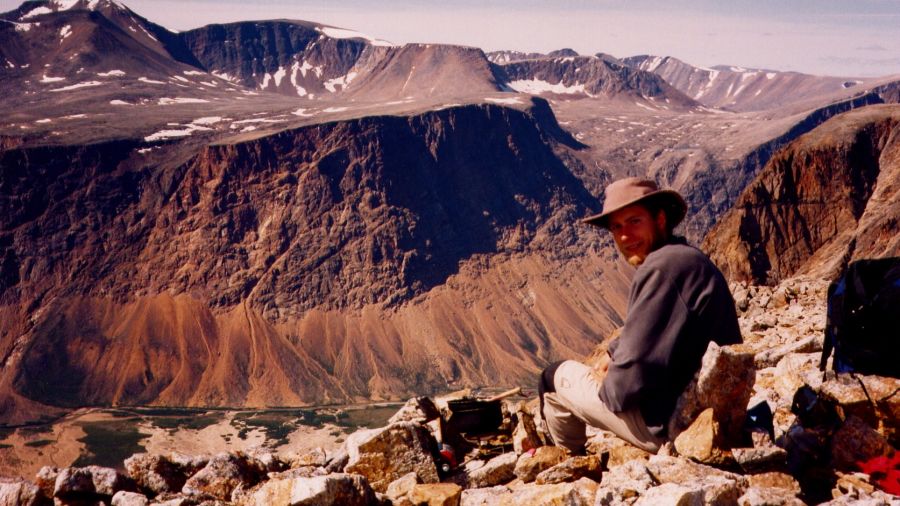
{"points": [[671, 202]]}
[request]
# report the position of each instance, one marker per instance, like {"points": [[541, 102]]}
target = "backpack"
{"points": [[863, 319]]}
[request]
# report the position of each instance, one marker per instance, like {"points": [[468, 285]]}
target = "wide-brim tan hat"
{"points": [[625, 192]]}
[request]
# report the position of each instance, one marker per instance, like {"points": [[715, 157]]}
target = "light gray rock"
{"points": [[15, 492], [671, 494], [723, 383], [530, 464], [771, 356], [623, 484], [90, 480], [484, 496], [578, 493], [757, 496], [383, 455], [571, 469], [155, 473], [402, 486], [496, 471], [123, 498], [331, 490], [223, 474]]}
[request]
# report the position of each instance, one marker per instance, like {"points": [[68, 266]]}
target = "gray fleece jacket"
{"points": [[679, 302]]}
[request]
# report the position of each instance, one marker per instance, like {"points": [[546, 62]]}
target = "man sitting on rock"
{"points": [[679, 302]]}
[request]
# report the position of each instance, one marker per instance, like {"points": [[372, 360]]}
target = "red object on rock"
{"points": [[885, 472]]}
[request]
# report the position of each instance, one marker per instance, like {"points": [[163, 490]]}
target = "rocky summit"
{"points": [[286, 213], [780, 456]]}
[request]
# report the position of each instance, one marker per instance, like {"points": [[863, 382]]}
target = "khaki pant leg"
{"points": [[576, 402]]}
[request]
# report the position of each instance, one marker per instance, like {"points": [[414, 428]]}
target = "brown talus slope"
{"points": [[368, 258], [831, 196]]}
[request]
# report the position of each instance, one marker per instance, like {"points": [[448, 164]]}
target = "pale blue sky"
{"points": [[826, 37]]}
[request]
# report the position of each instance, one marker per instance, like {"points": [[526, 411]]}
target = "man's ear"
{"points": [[662, 220]]}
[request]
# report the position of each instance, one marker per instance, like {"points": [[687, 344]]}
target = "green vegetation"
{"points": [[276, 425], [40, 442], [199, 421], [369, 417], [4, 445], [109, 443]]}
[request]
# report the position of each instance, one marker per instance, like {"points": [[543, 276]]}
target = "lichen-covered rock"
{"points": [[222, 475], [723, 383], [45, 479], [383, 455], [577, 493], [331, 490], [76, 482], [155, 473], [496, 471], [402, 486], [623, 484], [435, 494], [123, 498], [703, 440], [315, 457], [484, 496], [672, 494], [531, 464], [15, 492], [571, 469], [715, 484]]}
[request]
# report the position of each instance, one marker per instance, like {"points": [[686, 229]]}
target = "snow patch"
{"points": [[87, 84], [207, 120], [148, 80], [64, 5], [118, 102], [37, 12], [343, 33], [111, 73], [75, 116], [179, 78], [508, 101], [45, 120], [265, 83], [279, 75], [302, 113], [342, 81], [193, 73], [537, 86], [48, 79], [770, 75], [65, 32], [24, 27], [335, 109], [181, 100], [221, 75]]}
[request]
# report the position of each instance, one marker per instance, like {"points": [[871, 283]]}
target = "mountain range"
{"points": [[272, 213]]}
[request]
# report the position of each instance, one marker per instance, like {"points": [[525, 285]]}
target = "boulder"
{"points": [[871, 398], [703, 440], [484, 496], [715, 485], [91, 481], [496, 471], [854, 442], [402, 486], [330, 490], [383, 455], [17, 492], [760, 459], [672, 494], [316, 458], [155, 474], [223, 474], [571, 469], [45, 479], [123, 498], [623, 484], [531, 464], [435, 494], [578, 493], [724, 383]]}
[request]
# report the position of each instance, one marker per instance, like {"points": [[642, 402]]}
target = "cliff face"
{"points": [[375, 257], [829, 197]]}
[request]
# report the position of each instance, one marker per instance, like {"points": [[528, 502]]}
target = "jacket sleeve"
{"points": [[656, 316]]}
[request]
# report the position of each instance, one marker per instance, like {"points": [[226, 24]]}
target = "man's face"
{"points": [[637, 232]]}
